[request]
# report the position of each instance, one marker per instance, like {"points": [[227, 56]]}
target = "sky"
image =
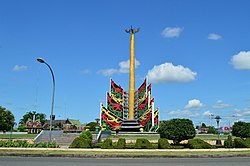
{"points": [[195, 53]]}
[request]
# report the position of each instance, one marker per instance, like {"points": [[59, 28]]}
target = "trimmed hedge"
{"points": [[25, 144], [87, 135], [199, 144], [79, 142], [242, 143], [163, 144], [142, 143], [83, 141], [121, 144], [229, 142], [107, 144]]}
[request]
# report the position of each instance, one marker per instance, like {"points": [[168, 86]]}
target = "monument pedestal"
{"points": [[130, 125]]}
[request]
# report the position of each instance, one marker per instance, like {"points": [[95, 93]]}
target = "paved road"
{"points": [[34, 161]]}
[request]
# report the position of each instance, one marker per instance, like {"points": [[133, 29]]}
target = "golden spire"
{"points": [[131, 92]]}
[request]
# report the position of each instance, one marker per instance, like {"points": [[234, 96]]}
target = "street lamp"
{"points": [[53, 96], [97, 127], [217, 118]]}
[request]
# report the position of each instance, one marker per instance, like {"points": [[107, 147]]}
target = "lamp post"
{"points": [[53, 96], [97, 127], [217, 118]]}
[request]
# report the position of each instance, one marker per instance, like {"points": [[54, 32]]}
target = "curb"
{"points": [[125, 153]]}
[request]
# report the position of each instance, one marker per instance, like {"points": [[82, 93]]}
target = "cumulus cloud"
{"points": [[85, 72], [208, 113], [220, 105], [107, 72], [167, 72], [123, 68], [19, 68], [170, 32], [242, 112], [194, 105], [213, 36], [183, 113], [125, 65], [241, 60]]}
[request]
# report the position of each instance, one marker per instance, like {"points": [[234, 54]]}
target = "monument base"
{"points": [[130, 125]]}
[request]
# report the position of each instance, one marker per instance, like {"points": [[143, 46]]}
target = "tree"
{"points": [[7, 119], [211, 130], [203, 125], [92, 126], [177, 130], [241, 129], [30, 115]]}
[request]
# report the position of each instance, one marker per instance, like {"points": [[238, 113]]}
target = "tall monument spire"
{"points": [[133, 111], [131, 92]]}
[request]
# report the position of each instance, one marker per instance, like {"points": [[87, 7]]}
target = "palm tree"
{"points": [[30, 115]]}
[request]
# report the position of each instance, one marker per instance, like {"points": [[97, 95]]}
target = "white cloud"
{"points": [[246, 112], [183, 113], [170, 32], [107, 72], [208, 113], [125, 65], [242, 113], [241, 60], [213, 36], [123, 68], [220, 105], [19, 68], [85, 72], [167, 72], [194, 105]]}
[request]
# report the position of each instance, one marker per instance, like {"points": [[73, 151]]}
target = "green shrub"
{"points": [[121, 144], [142, 143], [25, 144], [241, 129], [87, 135], [21, 128], [107, 144], [92, 126], [154, 145], [176, 147], [240, 143], [229, 142], [199, 144], [177, 130], [130, 146], [79, 142], [97, 145], [52, 145], [163, 144]]}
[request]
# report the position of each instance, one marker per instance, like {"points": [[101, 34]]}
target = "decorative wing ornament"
{"points": [[132, 30]]}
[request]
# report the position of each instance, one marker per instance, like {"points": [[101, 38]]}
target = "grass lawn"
{"points": [[18, 136], [211, 137]]}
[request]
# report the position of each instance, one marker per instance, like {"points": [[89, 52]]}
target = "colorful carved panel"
{"points": [[114, 107], [113, 115], [142, 94], [117, 93], [156, 120], [108, 120], [145, 120], [142, 107]]}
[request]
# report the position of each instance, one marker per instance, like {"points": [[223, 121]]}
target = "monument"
{"points": [[133, 110]]}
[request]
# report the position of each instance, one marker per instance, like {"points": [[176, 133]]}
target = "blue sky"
{"points": [[195, 53]]}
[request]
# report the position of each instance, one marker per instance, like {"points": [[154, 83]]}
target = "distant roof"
{"points": [[75, 122], [63, 121]]}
